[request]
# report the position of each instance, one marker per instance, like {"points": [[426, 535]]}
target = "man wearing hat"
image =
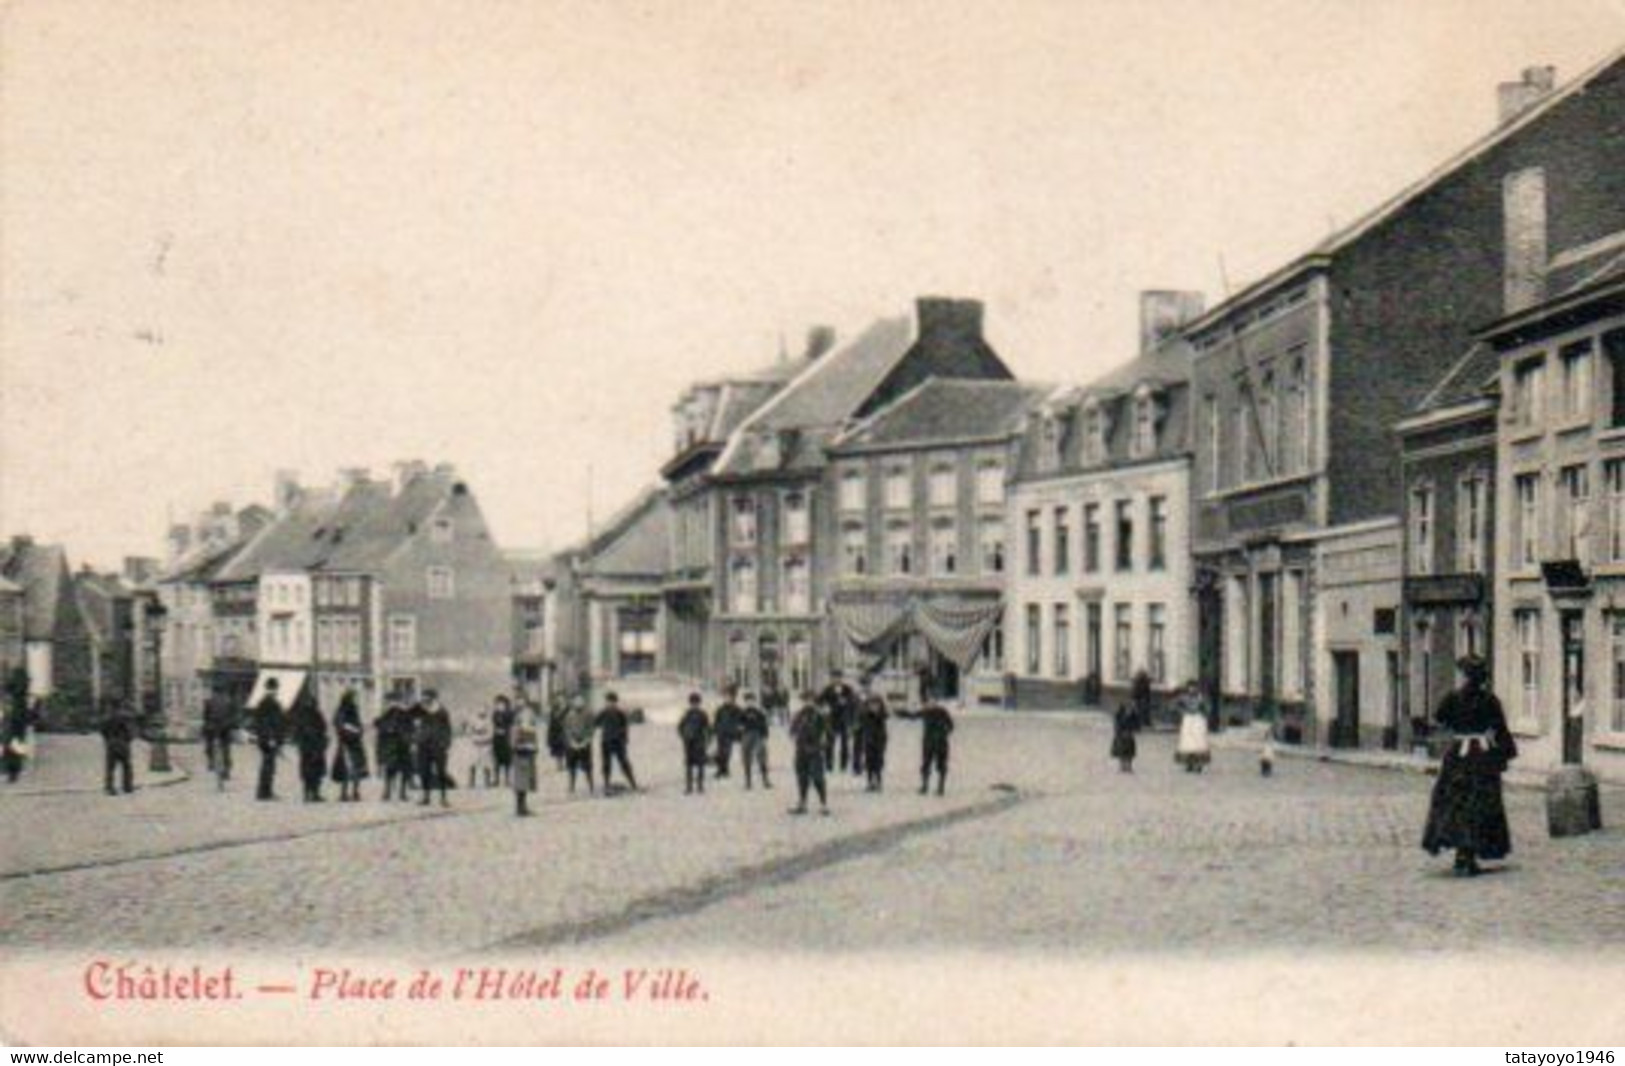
{"points": [[270, 730], [613, 732], [840, 705], [434, 747], [753, 725], [727, 727], [694, 729], [1466, 812], [808, 729], [577, 729]]}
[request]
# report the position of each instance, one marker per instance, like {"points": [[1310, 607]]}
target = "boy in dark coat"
{"points": [[938, 726], [118, 736], [219, 729], [433, 737], [726, 727], [310, 736], [394, 750], [694, 729], [753, 727], [1466, 812], [614, 729], [872, 735], [270, 731], [810, 731], [839, 702]]}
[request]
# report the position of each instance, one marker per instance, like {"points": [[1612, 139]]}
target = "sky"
{"points": [[238, 237]]}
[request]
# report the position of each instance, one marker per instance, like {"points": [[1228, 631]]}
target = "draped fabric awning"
{"points": [[288, 684], [957, 630], [871, 627]]}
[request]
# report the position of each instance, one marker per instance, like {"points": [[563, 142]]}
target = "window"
{"points": [[854, 550], [1526, 520], [1094, 432], [944, 548], [1034, 650], [1215, 443], [739, 660], [324, 640], [1471, 508], [1156, 642], [1292, 634], [991, 658], [635, 640], [1421, 529], [1063, 540], [1245, 440], [1091, 538], [441, 531], [798, 660], [1049, 443], [794, 530], [441, 584], [1144, 441], [1469, 634], [1035, 545], [1063, 641], [797, 589], [852, 490], [743, 528], [403, 637], [1574, 518], [1526, 630], [898, 494], [1616, 704], [1613, 472], [1613, 345], [742, 580], [1269, 431], [1123, 651], [1422, 684], [990, 543], [899, 549], [944, 487], [1528, 391], [1157, 508], [1294, 456], [1125, 535], [1577, 381], [990, 482]]}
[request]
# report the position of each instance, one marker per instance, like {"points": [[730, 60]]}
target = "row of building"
{"points": [[1404, 445]]}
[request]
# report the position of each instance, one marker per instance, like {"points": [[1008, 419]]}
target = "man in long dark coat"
{"points": [[270, 731], [727, 727], [502, 723], [219, 730], [938, 726], [433, 738], [809, 730], [118, 736], [873, 735], [1466, 812], [310, 735], [394, 750], [840, 705], [693, 729], [614, 729]]}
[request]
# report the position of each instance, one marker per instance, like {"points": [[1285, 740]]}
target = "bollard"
{"points": [[1572, 804]]}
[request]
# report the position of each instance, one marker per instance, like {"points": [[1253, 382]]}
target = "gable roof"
{"points": [[1166, 365], [39, 569], [946, 409], [1467, 380], [637, 540]]}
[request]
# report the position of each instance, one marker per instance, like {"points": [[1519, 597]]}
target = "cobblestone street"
{"points": [[1039, 845]]}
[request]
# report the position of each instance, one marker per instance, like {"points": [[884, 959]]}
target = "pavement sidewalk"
{"points": [[70, 763]]}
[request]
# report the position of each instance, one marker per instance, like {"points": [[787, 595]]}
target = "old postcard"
{"points": [[1065, 522]]}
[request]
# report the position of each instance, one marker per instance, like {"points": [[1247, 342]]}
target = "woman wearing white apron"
{"points": [[1193, 750]]}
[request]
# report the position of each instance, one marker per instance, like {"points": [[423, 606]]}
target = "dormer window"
{"points": [[1049, 442], [1094, 431], [1147, 414], [769, 451]]}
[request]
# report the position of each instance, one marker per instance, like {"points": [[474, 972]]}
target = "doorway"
{"points": [[1574, 684], [1210, 647], [1346, 678]]}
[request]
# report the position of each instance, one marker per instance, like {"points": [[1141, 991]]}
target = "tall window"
{"points": [[1294, 458], [944, 548], [1049, 443], [798, 660], [854, 550], [1526, 520], [1469, 634], [1157, 519], [991, 658], [744, 521], [1292, 634], [1145, 425], [1616, 705], [1156, 642], [1063, 641], [990, 482], [852, 490], [944, 487], [1094, 432], [1125, 535], [635, 640], [1214, 421], [1574, 520], [1577, 381], [899, 549], [403, 637], [1035, 544], [1063, 539], [1268, 450], [1613, 345], [1422, 529], [797, 589], [1528, 392], [1526, 631], [1091, 538], [794, 529], [1034, 648], [742, 574], [739, 660], [1613, 472], [1471, 499], [442, 585], [990, 543], [898, 494], [1123, 650]]}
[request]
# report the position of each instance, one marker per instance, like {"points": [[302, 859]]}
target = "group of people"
{"points": [[1193, 750]]}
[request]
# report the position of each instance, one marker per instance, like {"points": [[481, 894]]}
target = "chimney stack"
{"points": [[139, 569], [820, 339], [1164, 312], [287, 490], [352, 476], [406, 470], [947, 317], [1523, 210], [1516, 97], [180, 539]]}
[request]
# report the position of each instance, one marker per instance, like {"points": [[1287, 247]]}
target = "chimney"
{"points": [[221, 509], [287, 490], [352, 476], [941, 316], [408, 469], [1523, 211], [139, 570], [1516, 97], [820, 339], [445, 470], [1164, 312], [22, 542], [180, 539]]}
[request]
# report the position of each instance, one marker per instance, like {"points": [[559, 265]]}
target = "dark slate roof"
{"points": [[944, 409], [637, 541], [289, 543], [1468, 379], [1166, 365], [40, 570], [205, 564], [374, 523]]}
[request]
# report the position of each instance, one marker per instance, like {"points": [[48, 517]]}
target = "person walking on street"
{"points": [[937, 726], [1125, 723], [576, 732], [20, 718], [502, 723], [839, 702], [310, 736], [726, 728], [810, 731], [1193, 750], [481, 737], [556, 746], [753, 726], [350, 753], [118, 737], [613, 735], [528, 727], [1140, 694], [219, 730], [872, 732], [270, 731], [1466, 812], [394, 750], [434, 748], [694, 730]]}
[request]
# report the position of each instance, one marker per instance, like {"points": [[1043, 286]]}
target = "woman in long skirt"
{"points": [[1124, 745], [350, 756], [1466, 813], [528, 728], [1193, 750]]}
